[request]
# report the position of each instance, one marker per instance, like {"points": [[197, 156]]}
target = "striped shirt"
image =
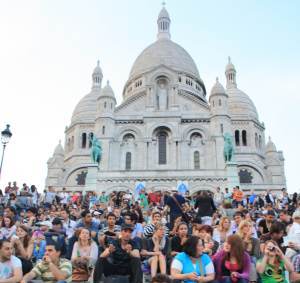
{"points": [[149, 230], [42, 270]]}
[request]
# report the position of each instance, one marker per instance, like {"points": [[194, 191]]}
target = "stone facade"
{"points": [[166, 131]]}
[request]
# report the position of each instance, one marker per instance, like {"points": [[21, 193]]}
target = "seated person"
{"points": [[155, 250], [110, 232], [52, 268], [178, 241], [10, 266], [273, 265], [191, 265], [121, 257], [84, 256]]}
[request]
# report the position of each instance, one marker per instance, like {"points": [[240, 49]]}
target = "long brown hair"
{"points": [[237, 249], [27, 237]]}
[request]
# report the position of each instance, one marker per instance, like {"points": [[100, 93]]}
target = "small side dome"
{"points": [[271, 146], [217, 88], [107, 91], [163, 13], [59, 151]]}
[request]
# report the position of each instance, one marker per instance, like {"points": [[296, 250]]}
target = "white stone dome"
{"points": [[270, 147], [164, 52], [59, 151], [85, 110], [240, 104], [217, 88], [107, 91]]}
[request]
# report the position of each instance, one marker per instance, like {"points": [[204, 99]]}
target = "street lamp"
{"points": [[5, 137]]}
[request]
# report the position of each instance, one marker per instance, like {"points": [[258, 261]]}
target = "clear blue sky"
{"points": [[49, 48]]}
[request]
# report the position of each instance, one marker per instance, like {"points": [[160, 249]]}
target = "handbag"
{"points": [[185, 216], [117, 279]]}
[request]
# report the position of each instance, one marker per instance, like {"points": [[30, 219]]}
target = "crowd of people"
{"points": [[160, 237]]}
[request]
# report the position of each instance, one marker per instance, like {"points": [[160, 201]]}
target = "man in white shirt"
{"points": [[68, 224], [10, 266], [64, 196]]}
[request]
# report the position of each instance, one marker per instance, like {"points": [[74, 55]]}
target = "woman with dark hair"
{"points": [[8, 228], [191, 265], [155, 250], [178, 241], [210, 245], [23, 247], [233, 262]]}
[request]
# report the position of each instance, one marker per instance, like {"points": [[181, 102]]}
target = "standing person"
{"points": [[218, 197], [52, 268], [233, 262], [49, 197], [64, 197], [10, 266], [237, 196], [206, 207], [227, 195], [8, 189], [175, 202], [269, 198], [273, 265]]}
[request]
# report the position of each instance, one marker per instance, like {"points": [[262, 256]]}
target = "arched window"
{"points": [[244, 138], [196, 160], [162, 147], [83, 140], [105, 104], [220, 102], [128, 161], [259, 142], [237, 137], [256, 140], [222, 128], [90, 139], [103, 130], [245, 176], [72, 142]]}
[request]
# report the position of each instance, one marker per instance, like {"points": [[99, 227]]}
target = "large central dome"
{"points": [[164, 52]]}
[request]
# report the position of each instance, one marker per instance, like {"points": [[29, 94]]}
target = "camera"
{"points": [[271, 249]]}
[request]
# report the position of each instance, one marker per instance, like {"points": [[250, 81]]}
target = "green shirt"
{"points": [[272, 274], [42, 270]]}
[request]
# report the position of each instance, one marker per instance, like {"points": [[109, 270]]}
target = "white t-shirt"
{"points": [[7, 267]]}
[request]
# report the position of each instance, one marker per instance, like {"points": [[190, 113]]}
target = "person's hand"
{"points": [[293, 246], [192, 276], [201, 279], [234, 274], [279, 252], [111, 248], [128, 248], [47, 259]]}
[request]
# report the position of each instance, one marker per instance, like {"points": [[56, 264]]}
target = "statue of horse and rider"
{"points": [[228, 148], [96, 150]]}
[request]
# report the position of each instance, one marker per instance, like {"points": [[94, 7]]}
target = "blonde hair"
{"points": [[241, 226], [221, 227]]}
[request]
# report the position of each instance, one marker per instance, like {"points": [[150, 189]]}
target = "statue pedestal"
{"points": [[232, 175], [91, 177]]}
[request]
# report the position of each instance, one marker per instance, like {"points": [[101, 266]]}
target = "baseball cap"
{"points": [[126, 227]]}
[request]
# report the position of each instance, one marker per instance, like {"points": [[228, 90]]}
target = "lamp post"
{"points": [[5, 137]]}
